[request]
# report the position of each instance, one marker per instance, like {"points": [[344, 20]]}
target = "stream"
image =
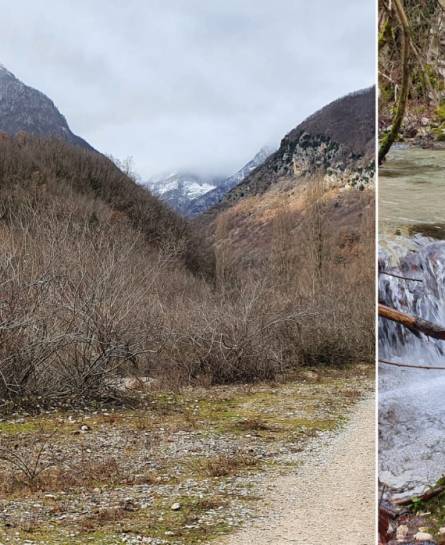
{"points": [[412, 245]]}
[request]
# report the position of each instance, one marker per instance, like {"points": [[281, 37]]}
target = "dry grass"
{"points": [[253, 424], [53, 475], [226, 464]]}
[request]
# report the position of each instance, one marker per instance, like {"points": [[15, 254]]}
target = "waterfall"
{"points": [[411, 401]]}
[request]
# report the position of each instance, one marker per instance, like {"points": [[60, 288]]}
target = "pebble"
{"points": [[402, 532], [423, 536], [100, 445]]}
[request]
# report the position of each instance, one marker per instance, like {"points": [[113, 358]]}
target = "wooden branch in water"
{"points": [[400, 276], [412, 322], [411, 365]]}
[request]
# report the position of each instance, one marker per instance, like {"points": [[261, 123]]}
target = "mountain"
{"points": [[337, 141], [324, 168], [40, 146], [191, 195], [179, 189], [211, 198], [24, 109]]}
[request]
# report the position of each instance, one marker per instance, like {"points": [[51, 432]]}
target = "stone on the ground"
{"points": [[175, 507], [402, 532], [423, 536]]}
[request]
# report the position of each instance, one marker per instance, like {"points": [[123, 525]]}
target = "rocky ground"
{"points": [[183, 469], [422, 126], [420, 523]]}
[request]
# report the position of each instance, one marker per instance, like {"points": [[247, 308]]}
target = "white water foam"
{"points": [[412, 401]]}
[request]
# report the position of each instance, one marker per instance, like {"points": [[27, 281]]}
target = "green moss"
{"points": [[439, 134], [13, 428], [34, 424], [440, 112], [385, 35]]}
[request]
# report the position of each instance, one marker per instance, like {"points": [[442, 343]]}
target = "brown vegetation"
{"points": [[93, 286], [226, 464]]}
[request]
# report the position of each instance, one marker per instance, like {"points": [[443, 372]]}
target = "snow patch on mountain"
{"points": [[178, 189], [213, 197], [191, 194]]}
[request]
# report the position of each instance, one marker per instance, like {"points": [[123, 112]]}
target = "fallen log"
{"points": [[412, 322]]}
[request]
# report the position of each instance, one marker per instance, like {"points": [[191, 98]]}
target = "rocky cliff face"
{"points": [[24, 109], [336, 142]]}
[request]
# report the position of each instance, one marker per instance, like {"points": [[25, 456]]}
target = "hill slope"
{"points": [[312, 200], [51, 169]]}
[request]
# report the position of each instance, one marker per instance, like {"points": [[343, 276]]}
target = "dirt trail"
{"points": [[330, 499]]}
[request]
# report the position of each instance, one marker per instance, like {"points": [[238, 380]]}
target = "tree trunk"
{"points": [[390, 138]]}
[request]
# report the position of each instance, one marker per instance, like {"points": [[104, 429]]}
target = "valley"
{"points": [[159, 374]]}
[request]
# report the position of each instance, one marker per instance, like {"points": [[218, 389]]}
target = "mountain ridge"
{"points": [[179, 188], [337, 141], [213, 197], [191, 194], [26, 109]]}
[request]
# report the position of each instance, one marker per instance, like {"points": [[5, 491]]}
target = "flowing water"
{"points": [[412, 401]]}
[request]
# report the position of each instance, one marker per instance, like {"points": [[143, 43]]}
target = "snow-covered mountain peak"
{"points": [[178, 189]]}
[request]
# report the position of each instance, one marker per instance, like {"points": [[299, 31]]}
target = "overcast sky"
{"points": [[188, 84]]}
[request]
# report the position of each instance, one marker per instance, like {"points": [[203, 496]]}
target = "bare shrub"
{"points": [[76, 300], [93, 286], [221, 338], [28, 462]]}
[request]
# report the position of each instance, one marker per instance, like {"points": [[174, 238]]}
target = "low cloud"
{"points": [[188, 84]]}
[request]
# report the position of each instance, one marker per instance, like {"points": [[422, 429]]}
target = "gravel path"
{"points": [[330, 500]]}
